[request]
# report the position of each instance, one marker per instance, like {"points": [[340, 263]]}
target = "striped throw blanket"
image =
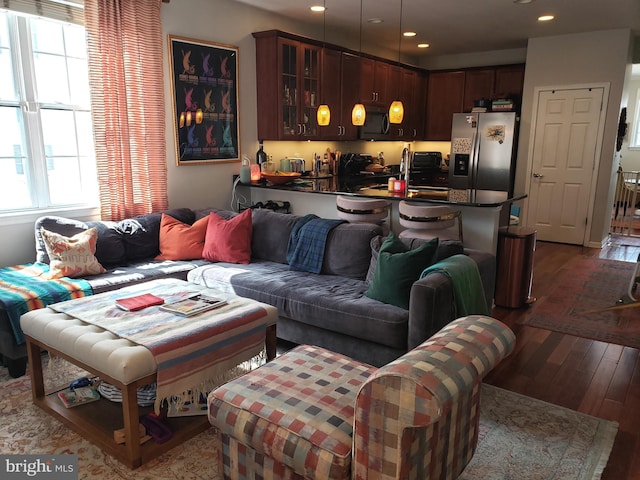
{"points": [[23, 288], [192, 353], [308, 238]]}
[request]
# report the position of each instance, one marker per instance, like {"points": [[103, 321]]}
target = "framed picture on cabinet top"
{"points": [[204, 88]]}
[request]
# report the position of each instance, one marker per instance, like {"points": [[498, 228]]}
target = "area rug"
{"points": [[520, 438], [581, 291]]}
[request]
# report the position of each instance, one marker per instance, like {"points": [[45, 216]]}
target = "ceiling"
{"points": [[459, 26]]}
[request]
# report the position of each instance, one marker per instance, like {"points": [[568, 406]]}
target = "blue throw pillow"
{"points": [[397, 268]]}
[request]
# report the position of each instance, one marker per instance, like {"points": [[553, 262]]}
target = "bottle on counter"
{"points": [[261, 156], [391, 184]]}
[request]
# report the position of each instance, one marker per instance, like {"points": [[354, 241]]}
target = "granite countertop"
{"points": [[376, 187]]}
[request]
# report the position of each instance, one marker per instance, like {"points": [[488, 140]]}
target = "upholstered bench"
{"points": [[315, 414], [115, 360]]}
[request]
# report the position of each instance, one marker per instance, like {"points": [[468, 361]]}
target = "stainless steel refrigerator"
{"points": [[482, 157]]}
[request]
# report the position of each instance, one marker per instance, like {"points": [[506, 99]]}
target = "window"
{"points": [[47, 157], [634, 140]]}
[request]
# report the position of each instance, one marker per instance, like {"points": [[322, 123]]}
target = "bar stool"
{"points": [[362, 210], [430, 221]]}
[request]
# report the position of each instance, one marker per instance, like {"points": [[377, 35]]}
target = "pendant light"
{"points": [[323, 114], [396, 110], [359, 114]]}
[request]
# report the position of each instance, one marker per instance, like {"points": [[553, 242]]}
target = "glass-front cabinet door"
{"points": [[299, 88]]}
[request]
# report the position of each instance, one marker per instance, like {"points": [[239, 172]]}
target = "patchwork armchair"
{"points": [[315, 414]]}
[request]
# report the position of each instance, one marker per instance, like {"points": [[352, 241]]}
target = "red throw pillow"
{"points": [[181, 241], [229, 240]]}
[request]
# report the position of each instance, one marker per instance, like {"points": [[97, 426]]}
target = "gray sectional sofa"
{"points": [[126, 249], [328, 309]]}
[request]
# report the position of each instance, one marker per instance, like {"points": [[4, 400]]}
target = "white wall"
{"points": [[477, 59], [580, 59]]}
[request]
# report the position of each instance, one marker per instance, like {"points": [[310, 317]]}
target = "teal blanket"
{"points": [[468, 291], [25, 287]]}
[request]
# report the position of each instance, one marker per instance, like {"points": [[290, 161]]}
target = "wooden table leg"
{"points": [[35, 369], [271, 342], [130, 415]]}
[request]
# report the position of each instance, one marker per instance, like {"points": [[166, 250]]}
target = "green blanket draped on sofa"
{"points": [[468, 291]]}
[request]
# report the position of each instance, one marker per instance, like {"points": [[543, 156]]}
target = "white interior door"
{"points": [[563, 162]]}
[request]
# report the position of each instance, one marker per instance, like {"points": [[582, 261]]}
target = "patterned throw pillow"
{"points": [[72, 256]]}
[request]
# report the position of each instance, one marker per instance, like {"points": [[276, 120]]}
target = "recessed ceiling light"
{"points": [[423, 45], [317, 8], [545, 18], [522, 1], [375, 20], [409, 34]]}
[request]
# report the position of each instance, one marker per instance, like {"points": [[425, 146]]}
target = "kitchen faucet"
{"points": [[405, 161]]}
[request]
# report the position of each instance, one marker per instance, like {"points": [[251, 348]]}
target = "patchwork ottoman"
{"points": [[315, 414]]}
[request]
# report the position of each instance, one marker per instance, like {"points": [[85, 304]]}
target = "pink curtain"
{"points": [[127, 101]]}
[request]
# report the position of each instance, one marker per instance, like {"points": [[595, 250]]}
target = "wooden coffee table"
{"points": [[119, 362]]}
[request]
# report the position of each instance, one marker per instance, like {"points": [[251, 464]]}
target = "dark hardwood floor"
{"points": [[592, 377]]}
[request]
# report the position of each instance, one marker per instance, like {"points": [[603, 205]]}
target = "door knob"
{"points": [[537, 175]]}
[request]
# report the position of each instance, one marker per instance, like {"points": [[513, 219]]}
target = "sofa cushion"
{"points": [[144, 271], [228, 240], [72, 256], [270, 236], [329, 302], [398, 267], [181, 241], [110, 249], [141, 234], [204, 212], [348, 251]]}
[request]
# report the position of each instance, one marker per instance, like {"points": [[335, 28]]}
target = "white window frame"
{"points": [[634, 133], [36, 167]]}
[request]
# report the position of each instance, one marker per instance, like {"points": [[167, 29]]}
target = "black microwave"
{"points": [[376, 124]]}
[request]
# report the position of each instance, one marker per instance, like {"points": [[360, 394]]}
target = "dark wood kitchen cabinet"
{"points": [[478, 84], [412, 88], [340, 89], [445, 95], [375, 87], [509, 82], [454, 91], [493, 83], [288, 88]]}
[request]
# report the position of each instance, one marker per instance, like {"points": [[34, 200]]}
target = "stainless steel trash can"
{"points": [[514, 274]]}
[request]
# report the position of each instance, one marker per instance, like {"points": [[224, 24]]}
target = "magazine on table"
{"points": [[78, 396], [194, 305]]}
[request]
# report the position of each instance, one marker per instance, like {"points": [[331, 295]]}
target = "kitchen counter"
{"points": [[483, 213], [377, 187]]}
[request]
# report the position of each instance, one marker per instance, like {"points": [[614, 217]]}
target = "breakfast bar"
{"points": [[483, 212]]}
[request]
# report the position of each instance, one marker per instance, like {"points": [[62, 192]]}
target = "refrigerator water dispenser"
{"points": [[461, 164]]}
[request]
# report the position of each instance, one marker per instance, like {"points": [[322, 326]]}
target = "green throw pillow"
{"points": [[397, 269]]}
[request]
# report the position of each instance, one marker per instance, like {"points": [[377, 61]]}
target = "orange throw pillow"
{"points": [[229, 240], [180, 241]]}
